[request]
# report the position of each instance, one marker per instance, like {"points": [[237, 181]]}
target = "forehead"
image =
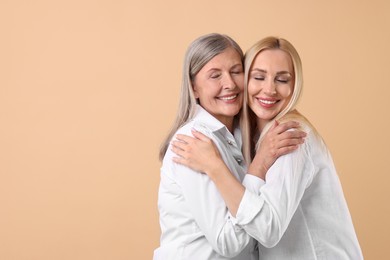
{"points": [[227, 58], [273, 58]]}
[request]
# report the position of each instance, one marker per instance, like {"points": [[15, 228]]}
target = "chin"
{"points": [[232, 112]]}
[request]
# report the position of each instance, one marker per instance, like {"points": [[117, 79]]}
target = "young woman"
{"points": [[194, 220], [299, 212]]}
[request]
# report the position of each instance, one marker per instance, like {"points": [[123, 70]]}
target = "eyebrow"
{"points": [[237, 65], [264, 71], [233, 67], [213, 69]]}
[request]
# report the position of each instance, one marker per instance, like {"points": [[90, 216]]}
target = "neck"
{"points": [[229, 123], [261, 123]]}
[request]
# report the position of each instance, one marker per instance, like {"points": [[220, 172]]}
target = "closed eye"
{"points": [[282, 80], [259, 78]]}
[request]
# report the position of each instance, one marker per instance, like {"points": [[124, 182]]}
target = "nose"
{"points": [[269, 87], [228, 82]]}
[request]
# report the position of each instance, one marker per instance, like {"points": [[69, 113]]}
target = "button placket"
{"points": [[230, 142], [236, 153]]}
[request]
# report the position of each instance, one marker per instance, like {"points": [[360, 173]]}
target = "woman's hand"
{"points": [[201, 154], [198, 153], [281, 139]]}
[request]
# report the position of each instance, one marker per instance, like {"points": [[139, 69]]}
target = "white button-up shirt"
{"points": [[300, 212], [195, 223]]}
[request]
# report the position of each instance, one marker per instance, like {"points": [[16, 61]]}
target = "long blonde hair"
{"points": [[200, 52], [248, 118]]}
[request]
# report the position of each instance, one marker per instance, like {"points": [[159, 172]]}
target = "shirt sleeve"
{"points": [[207, 207], [210, 212], [253, 183], [265, 214]]}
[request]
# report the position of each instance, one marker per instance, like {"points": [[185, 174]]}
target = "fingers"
{"points": [[290, 142], [296, 134], [183, 143], [280, 135], [286, 126], [196, 134], [199, 135], [184, 138], [178, 148], [286, 150], [290, 138], [178, 160], [274, 125]]}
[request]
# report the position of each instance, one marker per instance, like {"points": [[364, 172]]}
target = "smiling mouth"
{"points": [[267, 102], [228, 97]]}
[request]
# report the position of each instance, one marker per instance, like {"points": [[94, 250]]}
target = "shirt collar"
{"points": [[214, 125], [205, 117]]}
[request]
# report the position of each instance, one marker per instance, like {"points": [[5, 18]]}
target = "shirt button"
{"points": [[238, 160], [229, 142]]}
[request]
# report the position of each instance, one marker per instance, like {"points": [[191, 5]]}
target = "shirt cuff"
{"points": [[253, 183], [249, 207]]}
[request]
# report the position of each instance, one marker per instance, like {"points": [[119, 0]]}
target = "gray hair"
{"points": [[200, 52]]}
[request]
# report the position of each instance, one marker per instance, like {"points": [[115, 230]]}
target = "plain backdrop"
{"points": [[89, 89]]}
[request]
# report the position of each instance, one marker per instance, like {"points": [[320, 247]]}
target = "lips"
{"points": [[267, 103], [228, 98]]}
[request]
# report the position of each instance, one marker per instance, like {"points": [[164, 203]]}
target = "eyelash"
{"points": [[278, 80], [218, 75], [258, 78], [282, 81]]}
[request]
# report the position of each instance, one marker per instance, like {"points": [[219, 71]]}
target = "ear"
{"points": [[195, 89]]}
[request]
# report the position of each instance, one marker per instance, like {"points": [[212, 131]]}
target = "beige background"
{"points": [[88, 89]]}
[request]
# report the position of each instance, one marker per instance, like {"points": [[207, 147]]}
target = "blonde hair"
{"points": [[248, 118], [200, 52]]}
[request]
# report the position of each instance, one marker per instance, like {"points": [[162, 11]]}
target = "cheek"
{"points": [[252, 89], [286, 92], [251, 93], [240, 82]]}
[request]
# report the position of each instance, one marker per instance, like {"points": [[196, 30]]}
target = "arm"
{"points": [[202, 155], [278, 141], [207, 208], [266, 216]]}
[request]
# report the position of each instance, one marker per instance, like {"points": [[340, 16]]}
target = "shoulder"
{"points": [[305, 124], [313, 141], [314, 146], [205, 127], [186, 129], [169, 168], [198, 125]]}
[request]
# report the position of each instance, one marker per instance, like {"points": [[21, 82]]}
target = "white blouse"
{"points": [[194, 220], [300, 212]]}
